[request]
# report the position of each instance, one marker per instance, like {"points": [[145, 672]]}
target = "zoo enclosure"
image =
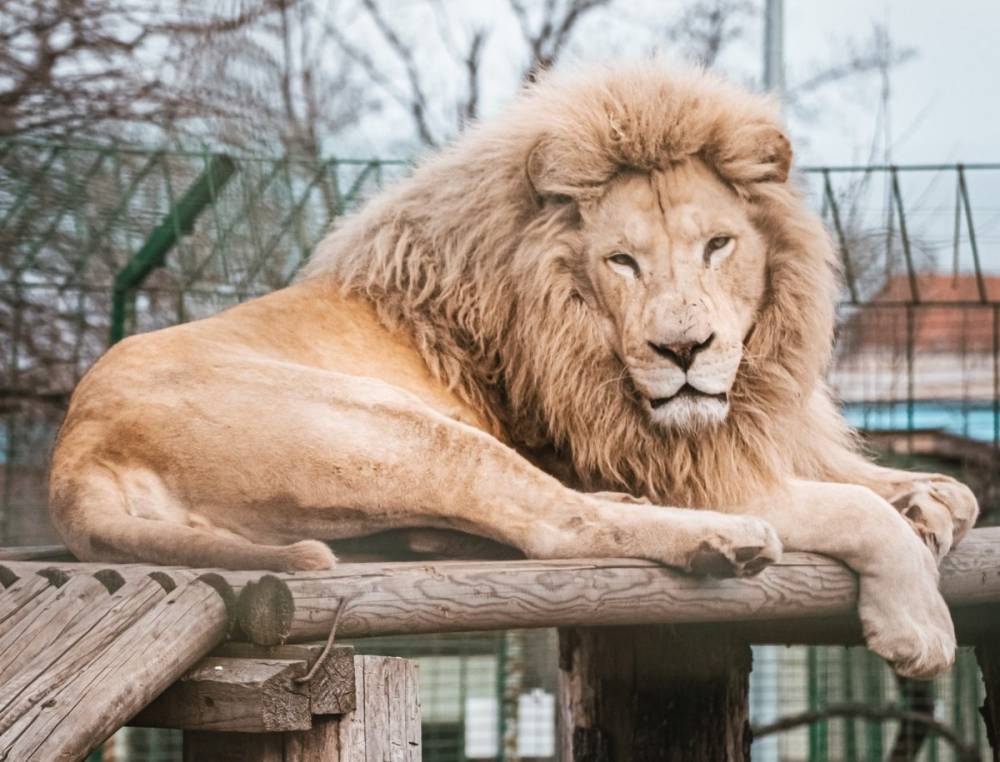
{"points": [[101, 241]]}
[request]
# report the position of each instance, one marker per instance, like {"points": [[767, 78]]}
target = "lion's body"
{"points": [[480, 330]]}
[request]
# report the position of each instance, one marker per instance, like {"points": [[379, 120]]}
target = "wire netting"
{"points": [[101, 241]]}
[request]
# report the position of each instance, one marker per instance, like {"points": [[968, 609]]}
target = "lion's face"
{"points": [[678, 271]]}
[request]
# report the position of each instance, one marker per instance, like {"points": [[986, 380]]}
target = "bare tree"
{"points": [[706, 27], [546, 29], [67, 65]]}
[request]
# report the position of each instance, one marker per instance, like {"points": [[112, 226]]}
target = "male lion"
{"points": [[614, 287]]}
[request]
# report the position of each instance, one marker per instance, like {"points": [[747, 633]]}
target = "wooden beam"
{"points": [[455, 596], [385, 725], [246, 688], [331, 689], [238, 695], [461, 596]]}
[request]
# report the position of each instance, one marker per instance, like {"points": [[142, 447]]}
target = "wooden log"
{"points": [[16, 618], [331, 688], [238, 695], [385, 726], [20, 645], [988, 656], [643, 693], [20, 593], [411, 598], [87, 636], [461, 596], [73, 717]]}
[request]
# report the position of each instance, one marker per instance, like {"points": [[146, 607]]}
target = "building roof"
{"points": [[948, 316]]}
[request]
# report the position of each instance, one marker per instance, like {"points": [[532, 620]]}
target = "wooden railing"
{"points": [[654, 663]]}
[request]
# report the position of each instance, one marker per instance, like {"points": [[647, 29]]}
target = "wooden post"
{"points": [[988, 656], [258, 715], [645, 693]]}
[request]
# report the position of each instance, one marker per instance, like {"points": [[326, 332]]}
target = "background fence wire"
{"points": [[97, 242]]}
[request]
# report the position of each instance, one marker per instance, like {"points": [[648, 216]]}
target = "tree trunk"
{"points": [[647, 693]]}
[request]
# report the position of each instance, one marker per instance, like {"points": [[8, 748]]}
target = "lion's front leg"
{"points": [[904, 618], [939, 508]]}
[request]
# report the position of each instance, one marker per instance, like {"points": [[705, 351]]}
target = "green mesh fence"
{"points": [[100, 242]]}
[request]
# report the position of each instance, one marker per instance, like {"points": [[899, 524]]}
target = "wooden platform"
{"points": [[87, 648]]}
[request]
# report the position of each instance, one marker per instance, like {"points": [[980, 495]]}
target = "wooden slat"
{"points": [[74, 716], [237, 695]]}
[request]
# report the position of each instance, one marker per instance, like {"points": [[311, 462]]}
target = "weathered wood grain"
{"points": [[331, 688], [45, 625], [644, 693], [385, 726], [454, 596], [86, 637], [237, 695], [73, 716], [19, 594]]}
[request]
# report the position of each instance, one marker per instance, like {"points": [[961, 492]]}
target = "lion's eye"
{"points": [[620, 259], [716, 243]]}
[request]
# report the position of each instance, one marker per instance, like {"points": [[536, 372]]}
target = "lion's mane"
{"points": [[474, 256]]}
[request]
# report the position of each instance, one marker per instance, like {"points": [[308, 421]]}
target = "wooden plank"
{"points": [[643, 693], [377, 727], [73, 717], [411, 699], [85, 638], [236, 695], [331, 689], [351, 731], [34, 634]]}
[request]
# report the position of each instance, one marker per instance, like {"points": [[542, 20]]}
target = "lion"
{"points": [[597, 325]]}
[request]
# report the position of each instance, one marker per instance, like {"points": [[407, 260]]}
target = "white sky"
{"points": [[945, 103]]}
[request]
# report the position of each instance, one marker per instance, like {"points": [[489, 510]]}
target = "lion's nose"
{"points": [[682, 352]]}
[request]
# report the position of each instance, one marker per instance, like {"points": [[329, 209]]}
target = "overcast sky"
{"points": [[945, 102]]}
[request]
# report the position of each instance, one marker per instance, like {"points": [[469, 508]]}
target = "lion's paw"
{"points": [[940, 509], [309, 555], [743, 549], [906, 622]]}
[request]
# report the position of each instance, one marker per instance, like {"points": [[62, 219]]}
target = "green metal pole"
{"points": [[179, 220]]}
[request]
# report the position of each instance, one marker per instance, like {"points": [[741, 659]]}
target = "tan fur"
{"points": [[470, 333]]}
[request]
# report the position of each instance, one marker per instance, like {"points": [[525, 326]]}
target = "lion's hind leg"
{"points": [[92, 515]]}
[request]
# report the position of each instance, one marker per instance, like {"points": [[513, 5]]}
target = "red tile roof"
{"points": [[937, 327]]}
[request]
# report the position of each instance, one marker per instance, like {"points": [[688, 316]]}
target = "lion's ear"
{"points": [[756, 153], [554, 171], [538, 172]]}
